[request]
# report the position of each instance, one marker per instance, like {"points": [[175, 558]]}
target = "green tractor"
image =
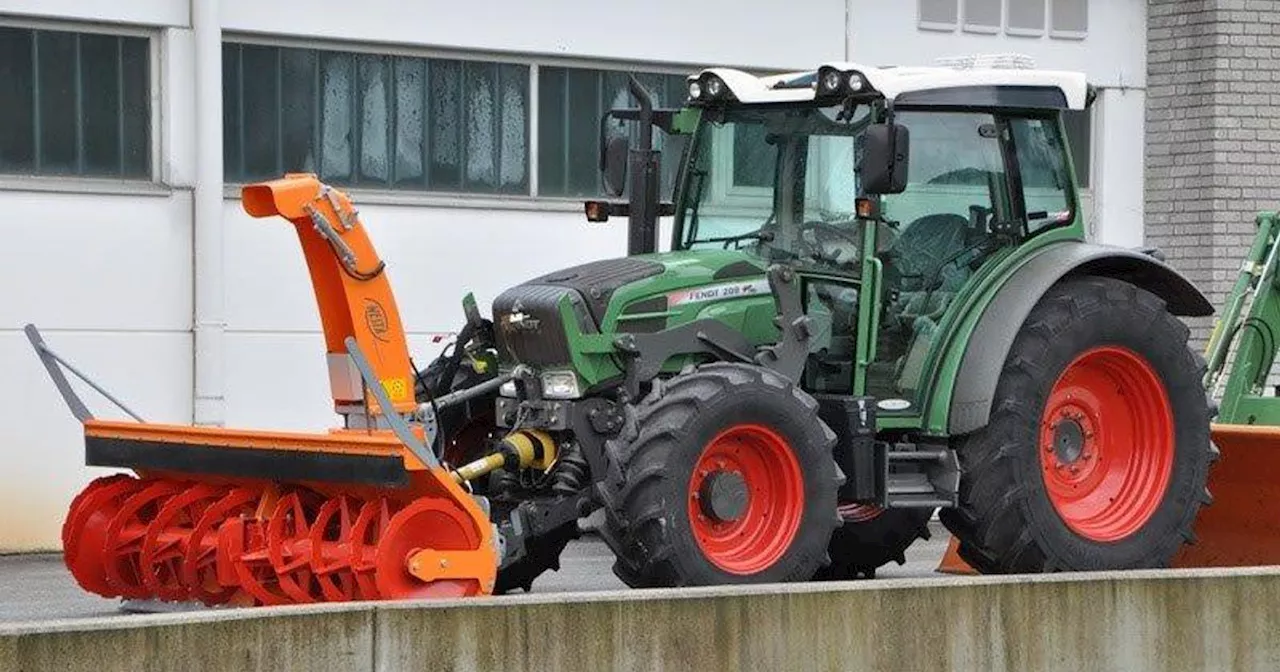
{"points": [[878, 303]]}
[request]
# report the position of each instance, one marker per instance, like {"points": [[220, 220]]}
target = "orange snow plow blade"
{"points": [[1242, 525], [246, 517]]}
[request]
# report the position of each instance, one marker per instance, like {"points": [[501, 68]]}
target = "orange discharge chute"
{"points": [[238, 516]]}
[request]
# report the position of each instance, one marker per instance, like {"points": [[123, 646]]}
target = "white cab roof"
{"points": [[896, 82]]}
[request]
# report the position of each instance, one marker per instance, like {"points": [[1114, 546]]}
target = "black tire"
{"points": [[1006, 521], [646, 493], [859, 547]]}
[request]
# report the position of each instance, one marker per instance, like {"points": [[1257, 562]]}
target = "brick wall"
{"points": [[1212, 133]]}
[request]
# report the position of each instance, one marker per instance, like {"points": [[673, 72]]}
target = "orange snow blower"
{"points": [[231, 516]]}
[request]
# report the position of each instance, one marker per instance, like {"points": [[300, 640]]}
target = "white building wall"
{"points": [[105, 269]]}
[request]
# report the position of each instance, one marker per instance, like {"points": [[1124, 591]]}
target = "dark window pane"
{"points": [[261, 73], [100, 103], [1027, 15], [482, 141], [411, 101], [513, 158], [1071, 16], [1077, 125], [56, 62], [373, 119], [232, 129], [982, 13], [445, 137], [336, 89], [938, 11], [17, 90], [135, 66], [298, 110], [753, 157], [553, 116], [583, 137]]}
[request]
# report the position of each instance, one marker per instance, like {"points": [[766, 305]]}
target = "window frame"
{"points": [[528, 198], [156, 142]]}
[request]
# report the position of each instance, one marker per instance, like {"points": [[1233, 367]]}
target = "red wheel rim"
{"points": [[752, 463], [1107, 443]]}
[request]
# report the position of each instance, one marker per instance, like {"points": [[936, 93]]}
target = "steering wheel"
{"points": [[825, 233]]}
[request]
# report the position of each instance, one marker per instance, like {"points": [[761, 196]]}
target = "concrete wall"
{"points": [[1168, 621]]}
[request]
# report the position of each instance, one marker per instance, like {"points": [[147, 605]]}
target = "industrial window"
{"points": [[938, 14], [571, 102], [1026, 17], [1069, 18], [982, 16], [379, 121], [74, 103]]}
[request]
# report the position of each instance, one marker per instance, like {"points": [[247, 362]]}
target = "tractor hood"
{"points": [[637, 294]]}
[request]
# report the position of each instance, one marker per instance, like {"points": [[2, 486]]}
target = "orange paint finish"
{"points": [[354, 298], [1241, 527]]}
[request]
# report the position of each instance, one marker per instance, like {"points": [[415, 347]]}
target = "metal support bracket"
{"points": [[389, 413], [53, 363], [788, 356]]}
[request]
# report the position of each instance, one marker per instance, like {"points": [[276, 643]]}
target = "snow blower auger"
{"points": [[232, 516]]}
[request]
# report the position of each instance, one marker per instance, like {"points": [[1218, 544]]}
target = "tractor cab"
{"points": [[904, 181]]}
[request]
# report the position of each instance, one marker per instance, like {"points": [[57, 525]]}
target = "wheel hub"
{"points": [[1068, 440], [723, 496]]}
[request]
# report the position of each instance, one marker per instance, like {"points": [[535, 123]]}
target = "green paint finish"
{"points": [[688, 283], [1253, 334]]}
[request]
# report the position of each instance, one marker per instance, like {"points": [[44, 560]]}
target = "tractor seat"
{"points": [[916, 256]]}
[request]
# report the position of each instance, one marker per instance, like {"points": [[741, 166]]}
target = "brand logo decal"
{"points": [[375, 317], [728, 290]]}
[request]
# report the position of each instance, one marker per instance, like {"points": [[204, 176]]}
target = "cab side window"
{"points": [[1046, 177]]}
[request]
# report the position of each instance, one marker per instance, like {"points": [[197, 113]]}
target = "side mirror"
{"points": [[614, 164], [883, 169]]}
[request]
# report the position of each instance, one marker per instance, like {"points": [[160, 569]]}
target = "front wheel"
{"points": [[729, 479], [1097, 452]]}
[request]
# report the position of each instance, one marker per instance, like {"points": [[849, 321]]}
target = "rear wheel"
{"points": [[870, 538], [729, 479], [1097, 452]]}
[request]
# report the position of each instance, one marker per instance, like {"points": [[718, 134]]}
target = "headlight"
{"points": [[560, 385], [833, 83], [695, 90], [715, 86], [830, 81], [508, 389]]}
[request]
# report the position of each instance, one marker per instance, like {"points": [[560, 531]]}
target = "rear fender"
{"points": [[993, 336]]}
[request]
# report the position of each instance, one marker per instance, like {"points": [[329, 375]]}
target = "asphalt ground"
{"points": [[37, 587]]}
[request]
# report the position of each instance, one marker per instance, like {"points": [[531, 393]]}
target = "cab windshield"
{"points": [[777, 182]]}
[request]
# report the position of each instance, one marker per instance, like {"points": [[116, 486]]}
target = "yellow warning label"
{"points": [[397, 388]]}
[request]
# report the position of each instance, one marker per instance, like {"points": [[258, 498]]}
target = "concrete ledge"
{"points": [[1162, 620]]}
